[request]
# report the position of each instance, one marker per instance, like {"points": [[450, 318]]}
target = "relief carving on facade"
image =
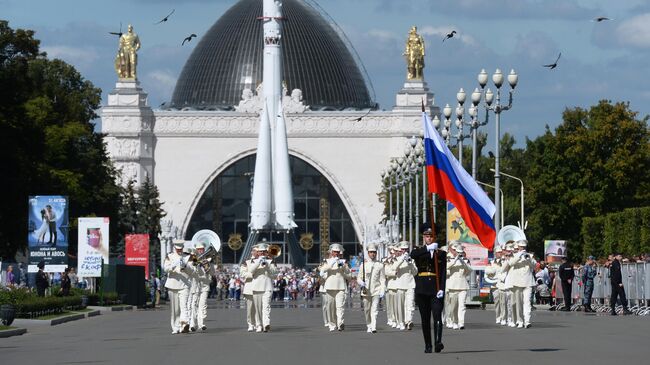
{"points": [[251, 102]]}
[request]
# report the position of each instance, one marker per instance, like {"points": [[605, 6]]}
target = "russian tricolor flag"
{"points": [[450, 181]]}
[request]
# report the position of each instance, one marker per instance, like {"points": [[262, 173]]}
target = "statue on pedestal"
{"points": [[414, 54], [126, 60]]}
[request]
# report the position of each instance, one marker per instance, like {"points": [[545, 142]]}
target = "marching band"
{"points": [[437, 280]]}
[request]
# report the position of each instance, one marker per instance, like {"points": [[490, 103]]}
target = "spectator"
{"points": [[542, 292], [10, 277], [154, 288], [589, 272], [231, 289], [42, 280], [566, 277], [65, 283], [618, 291], [74, 279]]}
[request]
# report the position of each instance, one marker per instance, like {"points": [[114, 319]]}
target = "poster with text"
{"points": [[137, 251], [554, 251], [93, 246], [47, 236], [477, 255]]}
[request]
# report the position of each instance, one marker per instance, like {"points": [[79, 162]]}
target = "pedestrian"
{"points": [[618, 291], [589, 272], [74, 279], [10, 277], [42, 280], [566, 277], [65, 283]]}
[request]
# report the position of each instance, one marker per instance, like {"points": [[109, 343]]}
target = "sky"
{"points": [[600, 60]]}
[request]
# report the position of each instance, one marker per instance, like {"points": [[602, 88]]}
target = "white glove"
{"points": [[440, 294], [381, 296], [432, 246], [363, 284]]}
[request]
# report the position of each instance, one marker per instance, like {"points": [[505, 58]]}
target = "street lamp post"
{"points": [[522, 224], [497, 79], [492, 186], [474, 124]]}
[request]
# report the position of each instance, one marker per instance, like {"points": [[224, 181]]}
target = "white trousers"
{"points": [[390, 305], [324, 303], [370, 310], [258, 305], [457, 307], [521, 298], [178, 306], [199, 309], [398, 305], [499, 305], [508, 297], [266, 308], [409, 305], [250, 310], [336, 307], [447, 309]]}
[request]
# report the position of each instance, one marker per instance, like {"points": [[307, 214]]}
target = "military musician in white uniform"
{"points": [[201, 274], [336, 273], [263, 270], [522, 281], [496, 275], [371, 279], [458, 271], [323, 294], [247, 291], [177, 284], [391, 289], [405, 270]]}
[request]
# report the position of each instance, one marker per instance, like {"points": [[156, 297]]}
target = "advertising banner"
{"points": [[137, 251], [93, 246], [477, 255], [47, 236], [554, 251]]}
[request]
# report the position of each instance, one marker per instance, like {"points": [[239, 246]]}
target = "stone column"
{"points": [[128, 123]]}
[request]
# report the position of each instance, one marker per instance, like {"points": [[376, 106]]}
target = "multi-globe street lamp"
{"points": [[497, 108]]}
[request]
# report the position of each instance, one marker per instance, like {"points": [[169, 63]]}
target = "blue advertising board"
{"points": [[47, 236]]}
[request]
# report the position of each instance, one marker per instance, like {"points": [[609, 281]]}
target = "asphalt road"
{"points": [[298, 337]]}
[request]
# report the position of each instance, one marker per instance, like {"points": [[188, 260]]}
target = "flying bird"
{"points": [[167, 17], [361, 117], [188, 38], [600, 19], [554, 64], [449, 35], [119, 34]]}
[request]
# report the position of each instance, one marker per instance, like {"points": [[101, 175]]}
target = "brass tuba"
{"points": [[212, 242]]}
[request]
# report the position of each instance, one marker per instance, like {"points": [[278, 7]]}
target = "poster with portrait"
{"points": [[554, 251], [93, 246], [47, 236], [457, 230], [137, 251]]}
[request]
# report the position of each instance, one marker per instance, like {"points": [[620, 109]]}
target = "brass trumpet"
{"points": [[275, 251]]}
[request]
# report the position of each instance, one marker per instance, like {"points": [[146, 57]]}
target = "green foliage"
{"points": [[627, 231], [47, 139], [596, 162], [29, 305]]}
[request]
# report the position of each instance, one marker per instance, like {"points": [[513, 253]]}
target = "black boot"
{"points": [[437, 331]]}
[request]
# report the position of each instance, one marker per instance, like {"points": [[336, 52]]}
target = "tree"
{"points": [[596, 162], [47, 139]]}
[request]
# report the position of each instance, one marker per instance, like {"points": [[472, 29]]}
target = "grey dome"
{"points": [[228, 59]]}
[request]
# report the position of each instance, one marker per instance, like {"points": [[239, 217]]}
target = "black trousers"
{"points": [[52, 226], [618, 292], [430, 305], [566, 291]]}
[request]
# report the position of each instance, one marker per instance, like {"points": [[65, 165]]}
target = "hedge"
{"points": [[29, 305], [627, 231]]}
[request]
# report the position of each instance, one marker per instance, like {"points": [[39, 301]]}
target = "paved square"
{"points": [[298, 337]]}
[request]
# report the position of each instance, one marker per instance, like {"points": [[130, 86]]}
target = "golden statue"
{"points": [[126, 60], [414, 54]]}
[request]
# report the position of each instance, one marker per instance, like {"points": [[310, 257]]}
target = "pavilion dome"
{"points": [[316, 59]]}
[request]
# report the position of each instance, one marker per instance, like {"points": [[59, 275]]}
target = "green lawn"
{"points": [[83, 310], [53, 316], [2, 328]]}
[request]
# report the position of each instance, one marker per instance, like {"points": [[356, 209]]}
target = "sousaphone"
{"points": [[211, 240], [510, 233]]}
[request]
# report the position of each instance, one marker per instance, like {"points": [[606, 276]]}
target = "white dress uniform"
{"points": [[323, 296], [496, 274], [177, 284], [201, 275], [458, 271], [520, 279], [263, 271], [405, 270], [337, 273], [374, 289], [247, 293], [391, 291]]}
